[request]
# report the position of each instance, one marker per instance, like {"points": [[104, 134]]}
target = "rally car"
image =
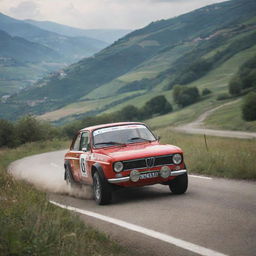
{"points": [[124, 154]]}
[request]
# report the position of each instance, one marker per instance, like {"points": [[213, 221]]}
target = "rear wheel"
{"points": [[101, 189], [69, 179], [179, 185]]}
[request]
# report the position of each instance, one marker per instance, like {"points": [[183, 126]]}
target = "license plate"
{"points": [[149, 175]]}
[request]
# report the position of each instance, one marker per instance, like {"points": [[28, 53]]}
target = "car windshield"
{"points": [[121, 135]]}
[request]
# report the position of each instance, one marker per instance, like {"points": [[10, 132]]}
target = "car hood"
{"points": [[136, 151]]}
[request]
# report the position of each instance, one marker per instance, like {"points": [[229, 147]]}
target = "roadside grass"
{"points": [[225, 157], [30, 225], [230, 118]]}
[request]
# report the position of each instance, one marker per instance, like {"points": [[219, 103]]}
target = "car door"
{"points": [[74, 156], [85, 149]]}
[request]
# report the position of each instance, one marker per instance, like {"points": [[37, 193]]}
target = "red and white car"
{"points": [[123, 155]]}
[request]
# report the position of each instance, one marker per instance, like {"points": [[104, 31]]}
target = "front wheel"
{"points": [[179, 185], [101, 189]]}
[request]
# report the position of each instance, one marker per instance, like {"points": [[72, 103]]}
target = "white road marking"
{"points": [[200, 177], [160, 236]]}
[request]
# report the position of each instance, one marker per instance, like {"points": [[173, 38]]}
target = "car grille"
{"points": [[147, 162]]}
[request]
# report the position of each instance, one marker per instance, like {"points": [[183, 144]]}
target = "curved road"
{"points": [[197, 127], [215, 217]]}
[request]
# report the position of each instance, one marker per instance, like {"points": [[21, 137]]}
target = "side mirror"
{"points": [[158, 138]]}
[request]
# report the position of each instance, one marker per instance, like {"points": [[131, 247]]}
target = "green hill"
{"points": [[70, 48], [105, 35], [23, 50], [150, 61]]}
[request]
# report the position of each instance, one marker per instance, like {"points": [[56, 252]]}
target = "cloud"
{"points": [[92, 14], [25, 10]]}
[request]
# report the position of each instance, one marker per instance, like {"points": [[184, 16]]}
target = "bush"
{"points": [[185, 96], [245, 78], [157, 105], [235, 86], [249, 107], [128, 113], [223, 96], [206, 91], [7, 134], [29, 129]]}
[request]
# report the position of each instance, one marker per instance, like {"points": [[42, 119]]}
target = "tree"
{"points": [[235, 86], [128, 113], [29, 129], [7, 134], [157, 105], [185, 96], [249, 107]]}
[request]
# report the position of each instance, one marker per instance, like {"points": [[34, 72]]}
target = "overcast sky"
{"points": [[128, 14]]}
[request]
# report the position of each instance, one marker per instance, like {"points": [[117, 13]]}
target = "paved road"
{"points": [[215, 216], [197, 127]]}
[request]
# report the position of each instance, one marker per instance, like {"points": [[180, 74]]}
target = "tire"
{"points": [[102, 191], [179, 185], [70, 180]]}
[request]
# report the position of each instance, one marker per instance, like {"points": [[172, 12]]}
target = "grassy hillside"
{"points": [[192, 49], [217, 80], [230, 118]]}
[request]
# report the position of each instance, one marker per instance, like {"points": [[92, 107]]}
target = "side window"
{"points": [[76, 145], [85, 142]]}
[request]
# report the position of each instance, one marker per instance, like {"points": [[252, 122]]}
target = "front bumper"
{"points": [[127, 178]]}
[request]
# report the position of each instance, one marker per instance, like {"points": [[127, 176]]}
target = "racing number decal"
{"points": [[83, 166]]}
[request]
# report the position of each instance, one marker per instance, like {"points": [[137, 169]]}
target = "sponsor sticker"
{"points": [[116, 128], [84, 165]]}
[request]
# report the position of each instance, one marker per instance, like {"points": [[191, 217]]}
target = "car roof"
{"points": [[95, 127]]}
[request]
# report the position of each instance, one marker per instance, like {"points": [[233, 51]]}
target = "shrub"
{"points": [[29, 129], [185, 96], [157, 105], [245, 78], [128, 113], [235, 86], [7, 134], [223, 96], [249, 107], [206, 91]]}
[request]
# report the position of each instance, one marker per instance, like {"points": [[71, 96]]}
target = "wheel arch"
{"points": [[68, 168], [98, 168]]}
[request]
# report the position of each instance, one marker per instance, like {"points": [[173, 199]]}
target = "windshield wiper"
{"points": [[110, 143], [139, 138]]}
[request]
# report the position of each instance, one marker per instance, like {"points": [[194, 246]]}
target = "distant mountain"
{"points": [[106, 35], [25, 51], [71, 48], [164, 53]]}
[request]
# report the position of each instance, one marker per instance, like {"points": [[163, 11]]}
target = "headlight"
{"points": [[165, 172], [177, 158], [118, 166], [135, 175]]}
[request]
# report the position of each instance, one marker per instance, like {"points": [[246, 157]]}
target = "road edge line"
{"points": [[151, 233]]}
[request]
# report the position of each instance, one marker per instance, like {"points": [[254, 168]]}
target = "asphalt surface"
{"points": [[215, 216]]}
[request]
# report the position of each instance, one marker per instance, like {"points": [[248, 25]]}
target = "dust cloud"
{"points": [[46, 173]]}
